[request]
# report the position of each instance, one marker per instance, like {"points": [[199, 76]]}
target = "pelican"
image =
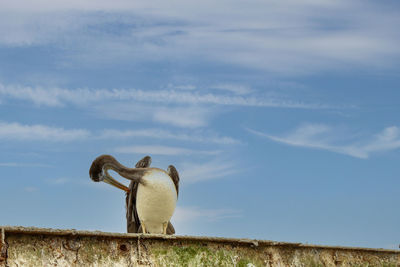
{"points": [[151, 196]]}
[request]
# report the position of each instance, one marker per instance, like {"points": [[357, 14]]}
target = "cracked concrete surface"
{"points": [[20, 246]]}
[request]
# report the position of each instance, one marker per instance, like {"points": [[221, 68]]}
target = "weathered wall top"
{"points": [[20, 246]]}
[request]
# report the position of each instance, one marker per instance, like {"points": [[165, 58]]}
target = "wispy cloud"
{"points": [[30, 189], [184, 116], [187, 214], [182, 87], [162, 150], [21, 164], [201, 136], [58, 181], [38, 132], [17, 131], [179, 108], [287, 37], [206, 171], [191, 117], [326, 138], [60, 97], [186, 219], [234, 88], [237, 89]]}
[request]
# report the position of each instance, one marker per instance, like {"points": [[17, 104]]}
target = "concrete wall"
{"points": [[46, 247]]}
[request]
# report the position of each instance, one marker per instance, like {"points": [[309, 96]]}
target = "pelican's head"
{"points": [[98, 171]]}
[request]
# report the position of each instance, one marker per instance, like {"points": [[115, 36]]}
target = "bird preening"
{"points": [[151, 196]]}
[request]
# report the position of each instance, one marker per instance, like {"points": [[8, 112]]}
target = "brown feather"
{"points": [[173, 173], [132, 218]]}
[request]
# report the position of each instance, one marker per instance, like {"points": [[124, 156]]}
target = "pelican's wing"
{"points": [[144, 162], [173, 173], [132, 218], [170, 229]]}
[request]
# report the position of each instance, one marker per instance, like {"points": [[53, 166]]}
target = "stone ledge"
{"points": [[30, 246]]}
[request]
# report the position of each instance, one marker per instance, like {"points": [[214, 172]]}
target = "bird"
{"points": [[132, 217], [151, 196]]}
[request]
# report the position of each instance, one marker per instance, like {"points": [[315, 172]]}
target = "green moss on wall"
{"points": [[196, 255]]}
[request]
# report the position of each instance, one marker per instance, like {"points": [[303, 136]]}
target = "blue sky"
{"points": [[282, 117]]}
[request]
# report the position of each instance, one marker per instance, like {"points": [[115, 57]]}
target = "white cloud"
{"points": [[189, 87], [285, 37], [180, 108], [187, 219], [205, 171], [186, 116], [20, 164], [16, 131], [326, 138], [388, 139], [59, 97], [38, 96], [237, 89], [191, 117], [162, 150], [201, 136], [156, 6], [188, 214], [58, 181], [30, 189], [9, 164]]}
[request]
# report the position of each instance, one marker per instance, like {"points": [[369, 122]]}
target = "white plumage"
{"points": [[156, 201]]}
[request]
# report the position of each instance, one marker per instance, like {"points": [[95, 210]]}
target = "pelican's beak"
{"points": [[109, 180]]}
